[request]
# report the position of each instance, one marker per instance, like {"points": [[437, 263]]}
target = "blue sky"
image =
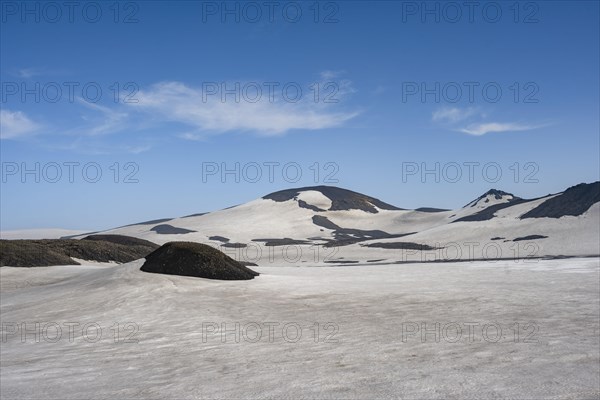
{"points": [[389, 104]]}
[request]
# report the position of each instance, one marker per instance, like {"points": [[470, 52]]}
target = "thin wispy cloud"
{"points": [[493, 127], [15, 124], [177, 102], [472, 121], [27, 73], [453, 114], [191, 114], [110, 120], [329, 74]]}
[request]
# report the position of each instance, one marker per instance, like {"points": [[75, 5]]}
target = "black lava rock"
{"points": [[197, 260]]}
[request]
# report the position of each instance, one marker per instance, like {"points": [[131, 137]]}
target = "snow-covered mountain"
{"points": [[329, 225]]}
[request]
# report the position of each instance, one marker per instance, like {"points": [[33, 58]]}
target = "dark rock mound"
{"points": [[166, 229], [574, 201], [281, 242], [341, 199], [47, 252], [401, 246], [530, 237], [122, 239], [31, 253], [197, 260]]}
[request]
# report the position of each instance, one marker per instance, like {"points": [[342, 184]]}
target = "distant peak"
{"points": [[342, 199], [498, 194], [495, 194]]}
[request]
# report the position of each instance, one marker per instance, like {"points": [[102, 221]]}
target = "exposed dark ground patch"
{"points": [[235, 245], [376, 260], [497, 238], [341, 199], [196, 260], [344, 236], [47, 252], [400, 246], [304, 204], [488, 213], [574, 201], [194, 215], [281, 242], [530, 237], [79, 235], [152, 222], [219, 238], [431, 209], [166, 229]]}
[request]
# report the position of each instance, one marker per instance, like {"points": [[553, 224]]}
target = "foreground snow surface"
{"points": [[368, 343]]}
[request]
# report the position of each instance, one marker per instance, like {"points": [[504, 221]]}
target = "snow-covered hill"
{"points": [[328, 225]]}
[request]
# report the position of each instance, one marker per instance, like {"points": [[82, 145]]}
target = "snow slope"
{"points": [[323, 225], [170, 343]]}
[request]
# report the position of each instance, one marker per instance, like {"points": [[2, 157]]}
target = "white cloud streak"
{"points": [[174, 101], [493, 127], [453, 114], [15, 124]]}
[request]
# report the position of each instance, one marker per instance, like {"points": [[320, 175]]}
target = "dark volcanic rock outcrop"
{"points": [[197, 260], [345, 236], [166, 229], [281, 242], [574, 201], [530, 237], [47, 252], [341, 199], [401, 246], [122, 239]]}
